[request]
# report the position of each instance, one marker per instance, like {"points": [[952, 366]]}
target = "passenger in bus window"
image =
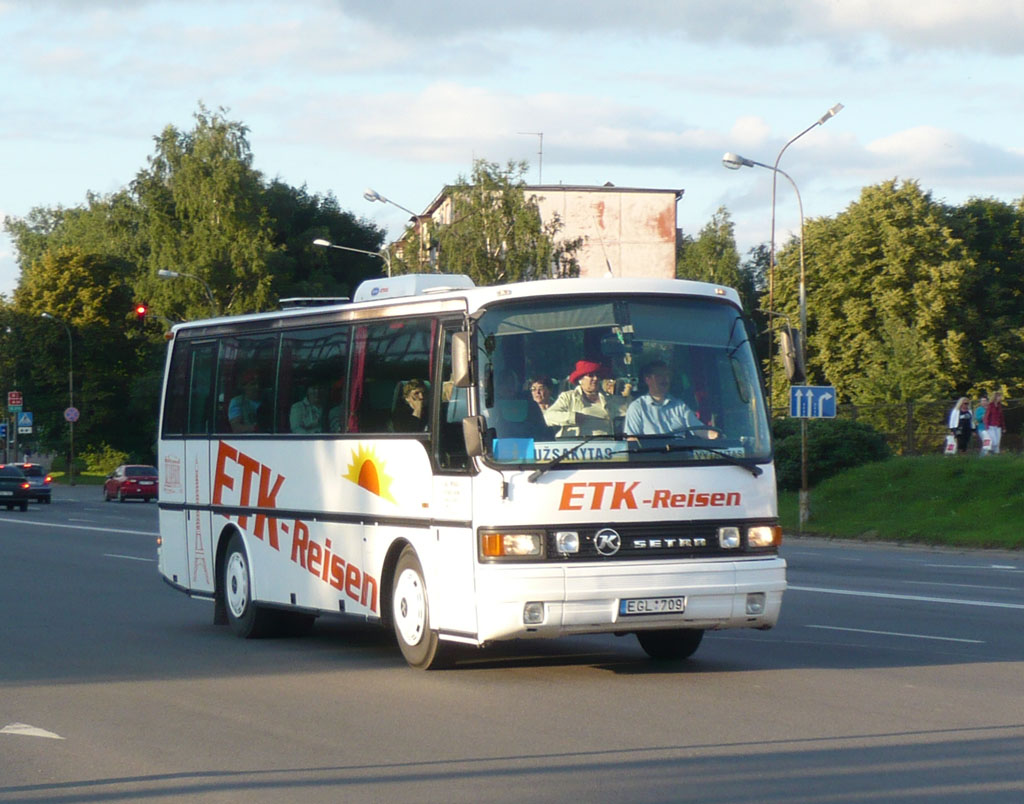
{"points": [[410, 414], [656, 412], [306, 415], [244, 409], [540, 390], [585, 409]]}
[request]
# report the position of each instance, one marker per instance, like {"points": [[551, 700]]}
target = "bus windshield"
{"points": [[643, 380]]}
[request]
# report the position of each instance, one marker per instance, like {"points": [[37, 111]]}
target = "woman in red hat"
{"points": [[585, 410]]}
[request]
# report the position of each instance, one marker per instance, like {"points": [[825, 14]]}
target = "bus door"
{"points": [[199, 452], [451, 506]]}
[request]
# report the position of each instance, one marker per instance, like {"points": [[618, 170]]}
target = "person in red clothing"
{"points": [[994, 421]]}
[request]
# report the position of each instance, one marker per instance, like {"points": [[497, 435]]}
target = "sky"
{"points": [[403, 95]]}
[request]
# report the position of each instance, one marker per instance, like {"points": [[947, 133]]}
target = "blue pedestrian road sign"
{"points": [[24, 419], [812, 401], [3, 430]]}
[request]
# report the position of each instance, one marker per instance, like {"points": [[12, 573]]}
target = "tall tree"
{"points": [[201, 204], [88, 298], [888, 264], [712, 257], [496, 233]]}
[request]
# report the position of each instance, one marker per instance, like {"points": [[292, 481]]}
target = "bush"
{"points": [[832, 446], [102, 460]]}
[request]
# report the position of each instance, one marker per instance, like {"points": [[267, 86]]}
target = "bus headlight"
{"points": [[511, 545], [567, 541], [764, 536], [729, 537]]}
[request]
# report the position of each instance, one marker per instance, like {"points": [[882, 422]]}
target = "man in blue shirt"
{"points": [[656, 412]]}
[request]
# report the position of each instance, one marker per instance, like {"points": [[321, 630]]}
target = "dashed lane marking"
{"points": [[25, 730]]}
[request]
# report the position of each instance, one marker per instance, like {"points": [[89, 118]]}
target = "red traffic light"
{"points": [[140, 311]]}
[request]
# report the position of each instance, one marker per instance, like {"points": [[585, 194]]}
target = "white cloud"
{"points": [[980, 25]]}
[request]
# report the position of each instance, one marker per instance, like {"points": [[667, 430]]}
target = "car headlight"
{"points": [[512, 545]]}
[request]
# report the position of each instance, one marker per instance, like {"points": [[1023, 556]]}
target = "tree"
{"points": [[991, 312], [87, 293], [713, 257], [496, 233], [201, 205], [301, 269], [888, 265], [199, 208]]}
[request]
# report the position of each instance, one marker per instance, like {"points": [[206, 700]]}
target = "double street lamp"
{"points": [[383, 254], [735, 162], [70, 414]]}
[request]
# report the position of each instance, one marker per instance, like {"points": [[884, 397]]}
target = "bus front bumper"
{"points": [[518, 601]]}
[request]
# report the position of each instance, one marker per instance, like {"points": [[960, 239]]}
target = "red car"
{"points": [[131, 481]]}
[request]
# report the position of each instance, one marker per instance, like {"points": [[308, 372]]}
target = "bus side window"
{"points": [[454, 407]]}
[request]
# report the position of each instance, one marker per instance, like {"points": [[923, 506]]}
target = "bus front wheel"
{"points": [[678, 643], [410, 616], [245, 617]]}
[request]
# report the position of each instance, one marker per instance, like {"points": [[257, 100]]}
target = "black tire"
{"points": [[410, 617], [106, 497], [674, 644], [246, 619], [121, 497], [10, 507], [24, 506]]}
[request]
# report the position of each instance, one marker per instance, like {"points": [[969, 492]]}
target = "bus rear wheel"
{"points": [[677, 643], [410, 616], [245, 617]]}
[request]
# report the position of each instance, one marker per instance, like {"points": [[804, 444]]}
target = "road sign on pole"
{"points": [[812, 401]]}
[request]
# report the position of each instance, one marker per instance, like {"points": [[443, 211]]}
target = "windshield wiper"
{"points": [[755, 470], [566, 454]]}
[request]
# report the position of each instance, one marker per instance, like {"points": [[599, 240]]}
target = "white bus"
{"points": [[296, 478]]}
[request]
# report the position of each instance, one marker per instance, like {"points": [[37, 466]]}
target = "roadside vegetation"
{"points": [[962, 501]]}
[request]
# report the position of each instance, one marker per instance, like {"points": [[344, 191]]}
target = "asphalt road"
{"points": [[896, 674]]}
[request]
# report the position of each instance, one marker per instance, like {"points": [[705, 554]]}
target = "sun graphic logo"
{"points": [[367, 471]]}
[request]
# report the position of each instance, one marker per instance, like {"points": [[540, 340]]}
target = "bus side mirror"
{"points": [[460, 360], [473, 434], [792, 354]]}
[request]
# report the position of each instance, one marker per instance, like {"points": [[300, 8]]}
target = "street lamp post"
{"points": [[735, 162], [71, 396], [164, 273], [383, 254], [372, 195]]}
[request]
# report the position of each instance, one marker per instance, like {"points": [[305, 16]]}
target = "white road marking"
{"points": [[75, 527], [25, 730], [920, 598], [129, 558], [963, 585], [1002, 567], [896, 634]]}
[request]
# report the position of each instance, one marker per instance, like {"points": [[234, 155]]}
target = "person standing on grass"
{"points": [[979, 420], [994, 421], [961, 423]]}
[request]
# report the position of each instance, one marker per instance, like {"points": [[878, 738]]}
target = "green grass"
{"points": [[955, 501]]}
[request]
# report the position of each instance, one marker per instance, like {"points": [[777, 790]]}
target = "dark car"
{"points": [[15, 490], [38, 479], [131, 482]]}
